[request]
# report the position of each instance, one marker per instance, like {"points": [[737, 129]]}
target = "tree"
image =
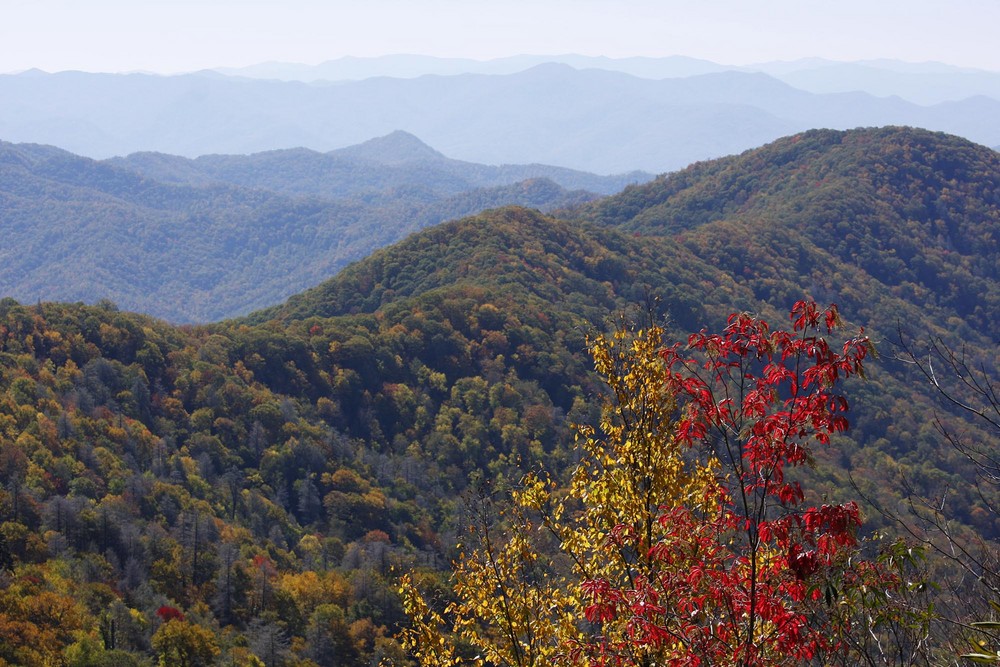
{"points": [[968, 388], [682, 538], [180, 643], [269, 642]]}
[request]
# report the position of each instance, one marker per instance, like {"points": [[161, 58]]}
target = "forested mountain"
{"points": [[900, 227], [598, 120], [267, 478], [219, 236], [396, 164], [264, 481], [912, 212]]}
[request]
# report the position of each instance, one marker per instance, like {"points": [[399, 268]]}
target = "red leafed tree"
{"points": [[167, 613], [755, 578]]}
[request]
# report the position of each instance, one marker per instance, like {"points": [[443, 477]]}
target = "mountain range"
{"points": [[260, 482], [198, 240], [900, 227], [398, 161], [922, 83], [596, 120], [264, 477]]}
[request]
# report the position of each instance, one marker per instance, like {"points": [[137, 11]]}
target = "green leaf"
{"points": [[987, 625]]}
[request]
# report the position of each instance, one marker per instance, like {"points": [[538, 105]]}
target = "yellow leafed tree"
{"points": [[519, 597]]}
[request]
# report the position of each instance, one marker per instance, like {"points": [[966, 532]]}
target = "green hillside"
{"points": [[269, 477], [900, 227], [913, 213], [148, 466], [172, 238]]}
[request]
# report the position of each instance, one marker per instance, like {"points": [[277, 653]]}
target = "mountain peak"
{"points": [[398, 147]]}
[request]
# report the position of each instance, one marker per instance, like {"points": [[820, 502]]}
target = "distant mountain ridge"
{"points": [[199, 240], [397, 160], [922, 83], [595, 120], [923, 86], [404, 66]]}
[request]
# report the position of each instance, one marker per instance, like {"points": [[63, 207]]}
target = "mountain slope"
{"points": [[900, 228], [220, 236], [79, 230], [397, 161], [532, 278], [511, 249], [915, 212], [268, 480], [266, 477]]}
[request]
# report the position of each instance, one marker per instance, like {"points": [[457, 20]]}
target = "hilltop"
{"points": [[907, 213], [395, 166]]}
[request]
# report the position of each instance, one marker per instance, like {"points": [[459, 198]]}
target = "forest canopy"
{"points": [[252, 490]]}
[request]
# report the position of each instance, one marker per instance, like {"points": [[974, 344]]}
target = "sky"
{"points": [[171, 36]]}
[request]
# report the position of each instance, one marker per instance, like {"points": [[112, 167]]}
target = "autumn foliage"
{"points": [[683, 537], [731, 584]]}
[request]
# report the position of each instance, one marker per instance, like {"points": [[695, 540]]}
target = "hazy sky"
{"points": [[184, 35]]}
